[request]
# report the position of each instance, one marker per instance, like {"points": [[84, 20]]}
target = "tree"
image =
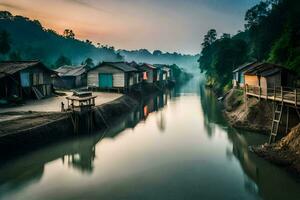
{"points": [[68, 33], [157, 53], [4, 42], [209, 38], [88, 41], [15, 56], [62, 60], [89, 63], [5, 15], [225, 36], [255, 14]]}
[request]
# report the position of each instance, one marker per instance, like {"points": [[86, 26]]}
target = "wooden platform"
{"points": [[289, 96]]}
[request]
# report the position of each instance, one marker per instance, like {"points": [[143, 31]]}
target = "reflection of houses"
{"points": [[113, 75], [71, 77], [25, 79], [268, 76], [238, 74]]}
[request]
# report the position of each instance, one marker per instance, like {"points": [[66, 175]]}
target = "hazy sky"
{"points": [[168, 25]]}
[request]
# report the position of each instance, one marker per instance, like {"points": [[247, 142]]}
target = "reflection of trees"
{"points": [[212, 112], [268, 178]]}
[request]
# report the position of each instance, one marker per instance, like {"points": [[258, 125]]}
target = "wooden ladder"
{"points": [[276, 121]]}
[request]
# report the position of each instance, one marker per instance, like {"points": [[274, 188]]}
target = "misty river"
{"points": [[176, 145]]}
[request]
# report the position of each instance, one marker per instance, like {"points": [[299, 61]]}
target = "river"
{"points": [[176, 145]]}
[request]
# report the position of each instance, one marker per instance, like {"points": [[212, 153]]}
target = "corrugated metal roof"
{"points": [[12, 67], [119, 65], [71, 70], [135, 65], [265, 69], [245, 66], [162, 67]]}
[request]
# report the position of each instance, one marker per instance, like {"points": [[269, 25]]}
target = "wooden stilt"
{"points": [[287, 119]]}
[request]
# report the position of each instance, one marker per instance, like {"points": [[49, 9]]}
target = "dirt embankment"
{"points": [[33, 129], [251, 115], [285, 152]]}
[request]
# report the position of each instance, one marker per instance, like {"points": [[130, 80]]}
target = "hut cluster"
{"points": [[32, 79]]}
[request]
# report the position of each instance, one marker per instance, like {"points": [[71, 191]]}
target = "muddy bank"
{"points": [[250, 114], [285, 152], [31, 130]]}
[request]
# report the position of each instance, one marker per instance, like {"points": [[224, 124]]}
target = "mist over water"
{"points": [[176, 145]]}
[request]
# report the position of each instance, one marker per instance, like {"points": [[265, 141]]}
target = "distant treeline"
{"points": [[272, 34], [22, 38]]}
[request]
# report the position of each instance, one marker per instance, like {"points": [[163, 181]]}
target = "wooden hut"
{"points": [[238, 73], [163, 73], [71, 77], [150, 74], [25, 79], [113, 75], [269, 76]]}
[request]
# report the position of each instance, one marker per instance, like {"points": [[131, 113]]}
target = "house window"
{"points": [[25, 81], [145, 76]]}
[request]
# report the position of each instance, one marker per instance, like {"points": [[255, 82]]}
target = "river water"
{"points": [[174, 146]]}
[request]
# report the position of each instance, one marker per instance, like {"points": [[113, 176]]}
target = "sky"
{"points": [[168, 25]]}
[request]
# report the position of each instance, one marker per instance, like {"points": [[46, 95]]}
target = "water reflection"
{"points": [[175, 145], [261, 177]]}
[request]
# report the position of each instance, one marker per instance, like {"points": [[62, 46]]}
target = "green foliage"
{"points": [[218, 59], [209, 38], [68, 33], [272, 33], [89, 63], [61, 61], [15, 56], [4, 42]]}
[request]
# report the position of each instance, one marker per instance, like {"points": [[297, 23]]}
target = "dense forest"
{"points": [[271, 34], [24, 39]]}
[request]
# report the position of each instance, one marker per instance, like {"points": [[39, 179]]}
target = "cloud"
{"points": [[11, 6], [86, 4]]}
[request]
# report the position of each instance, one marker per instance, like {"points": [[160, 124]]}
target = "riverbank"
{"points": [[285, 152], [251, 115], [256, 115], [33, 129]]}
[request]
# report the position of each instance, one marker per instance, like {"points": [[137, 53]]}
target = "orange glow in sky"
{"points": [[168, 25]]}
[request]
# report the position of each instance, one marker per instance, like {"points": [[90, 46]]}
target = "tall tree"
{"points": [[4, 42], [62, 60], [89, 63], [209, 38], [68, 33]]}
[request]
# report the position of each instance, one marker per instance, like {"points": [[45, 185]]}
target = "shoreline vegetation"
{"points": [[271, 35]]}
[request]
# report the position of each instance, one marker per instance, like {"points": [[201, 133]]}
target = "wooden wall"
{"points": [[251, 80], [118, 76]]}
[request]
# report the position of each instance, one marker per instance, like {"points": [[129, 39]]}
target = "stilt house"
{"points": [[238, 73], [25, 79], [150, 74], [269, 76]]}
